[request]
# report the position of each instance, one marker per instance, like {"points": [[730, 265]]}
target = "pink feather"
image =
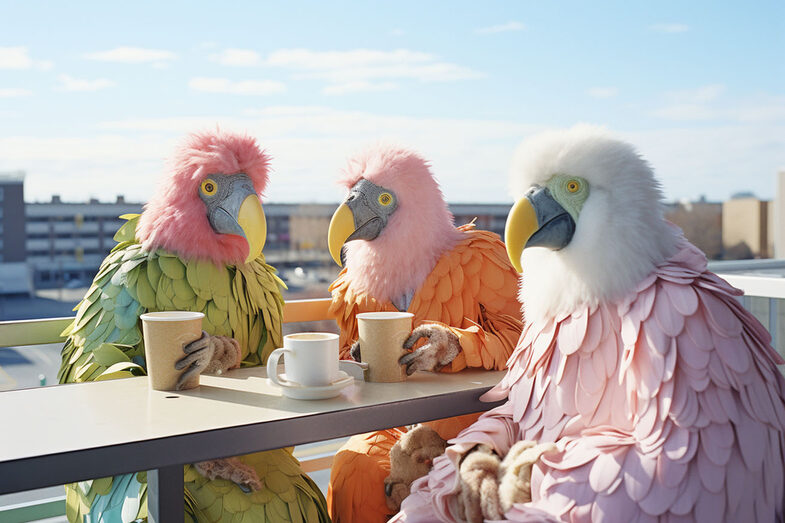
{"points": [[696, 419], [175, 218], [420, 230]]}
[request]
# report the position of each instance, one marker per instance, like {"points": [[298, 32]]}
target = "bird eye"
{"points": [[573, 186], [385, 198], [208, 187]]}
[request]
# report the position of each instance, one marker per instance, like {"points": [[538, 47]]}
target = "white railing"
{"points": [[763, 283]]}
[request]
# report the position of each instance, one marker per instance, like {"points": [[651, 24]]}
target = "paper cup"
{"points": [[165, 335], [381, 336]]}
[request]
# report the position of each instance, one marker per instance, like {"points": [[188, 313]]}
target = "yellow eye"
{"points": [[209, 187], [573, 186], [385, 198]]}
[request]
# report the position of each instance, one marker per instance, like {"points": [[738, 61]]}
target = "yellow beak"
{"points": [[521, 224], [254, 224], [341, 227]]}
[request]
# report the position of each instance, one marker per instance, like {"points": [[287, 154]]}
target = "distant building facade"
{"points": [[12, 217], [15, 275], [66, 242], [701, 222], [747, 228]]}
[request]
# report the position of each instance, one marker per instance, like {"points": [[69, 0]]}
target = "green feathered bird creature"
{"points": [[198, 247]]}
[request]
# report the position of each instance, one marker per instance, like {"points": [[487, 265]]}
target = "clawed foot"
{"points": [[212, 354], [198, 354], [411, 458], [231, 469], [490, 486], [515, 472], [479, 478], [354, 351], [441, 348], [226, 355]]}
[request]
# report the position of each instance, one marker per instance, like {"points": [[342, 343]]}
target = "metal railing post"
{"points": [[774, 322]]}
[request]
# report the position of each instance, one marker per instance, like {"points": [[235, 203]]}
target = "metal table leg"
{"points": [[165, 501]]}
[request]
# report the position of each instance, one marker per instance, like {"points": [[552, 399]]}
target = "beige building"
{"points": [[748, 228], [701, 222]]}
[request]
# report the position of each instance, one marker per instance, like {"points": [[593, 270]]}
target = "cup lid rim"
{"points": [[328, 335], [382, 315], [172, 316]]}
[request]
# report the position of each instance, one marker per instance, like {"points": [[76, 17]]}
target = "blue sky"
{"points": [[94, 95]]}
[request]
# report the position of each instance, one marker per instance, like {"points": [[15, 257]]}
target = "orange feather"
{"points": [[474, 273]]}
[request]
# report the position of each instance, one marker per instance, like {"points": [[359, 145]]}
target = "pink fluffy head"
{"points": [[419, 231], [175, 218]]}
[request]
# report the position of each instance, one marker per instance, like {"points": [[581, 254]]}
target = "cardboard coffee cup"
{"points": [[165, 335], [381, 336]]}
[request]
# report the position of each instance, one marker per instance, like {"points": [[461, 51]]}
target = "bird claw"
{"points": [[198, 354], [354, 351], [441, 348], [411, 458], [231, 469], [478, 472], [515, 472]]}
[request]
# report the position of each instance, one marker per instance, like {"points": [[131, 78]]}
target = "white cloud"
{"points": [[69, 83], [18, 57], [367, 64], [501, 28], [603, 92], [132, 55], [714, 160], [765, 109], [357, 87], [670, 28], [309, 146], [14, 92], [709, 103], [306, 59], [237, 57], [247, 87], [703, 94]]}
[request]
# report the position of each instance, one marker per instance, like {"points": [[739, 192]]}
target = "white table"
{"points": [[57, 435]]}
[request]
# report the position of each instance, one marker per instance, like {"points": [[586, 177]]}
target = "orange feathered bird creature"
{"points": [[403, 252]]}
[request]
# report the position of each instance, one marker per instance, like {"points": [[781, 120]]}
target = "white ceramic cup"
{"points": [[310, 360]]}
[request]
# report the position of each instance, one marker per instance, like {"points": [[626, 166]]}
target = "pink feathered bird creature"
{"points": [[660, 391]]}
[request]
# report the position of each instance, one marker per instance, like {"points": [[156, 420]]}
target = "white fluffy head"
{"points": [[621, 234]]}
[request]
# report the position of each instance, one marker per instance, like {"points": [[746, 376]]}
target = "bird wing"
{"points": [[104, 340], [667, 404], [473, 290], [356, 489], [287, 494], [255, 310], [344, 307]]}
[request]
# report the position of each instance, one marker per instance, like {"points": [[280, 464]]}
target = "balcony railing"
{"points": [[24, 333]]}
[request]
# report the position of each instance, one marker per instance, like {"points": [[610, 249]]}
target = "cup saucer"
{"points": [[301, 392]]}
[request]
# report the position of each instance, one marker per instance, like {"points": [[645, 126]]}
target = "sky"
{"points": [[94, 96]]}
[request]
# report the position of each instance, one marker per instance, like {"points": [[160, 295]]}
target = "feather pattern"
{"points": [[700, 432], [483, 317], [105, 342]]}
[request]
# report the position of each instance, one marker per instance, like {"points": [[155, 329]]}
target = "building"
{"points": [[701, 222], [12, 217], [66, 242], [62, 244], [747, 227], [14, 272]]}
